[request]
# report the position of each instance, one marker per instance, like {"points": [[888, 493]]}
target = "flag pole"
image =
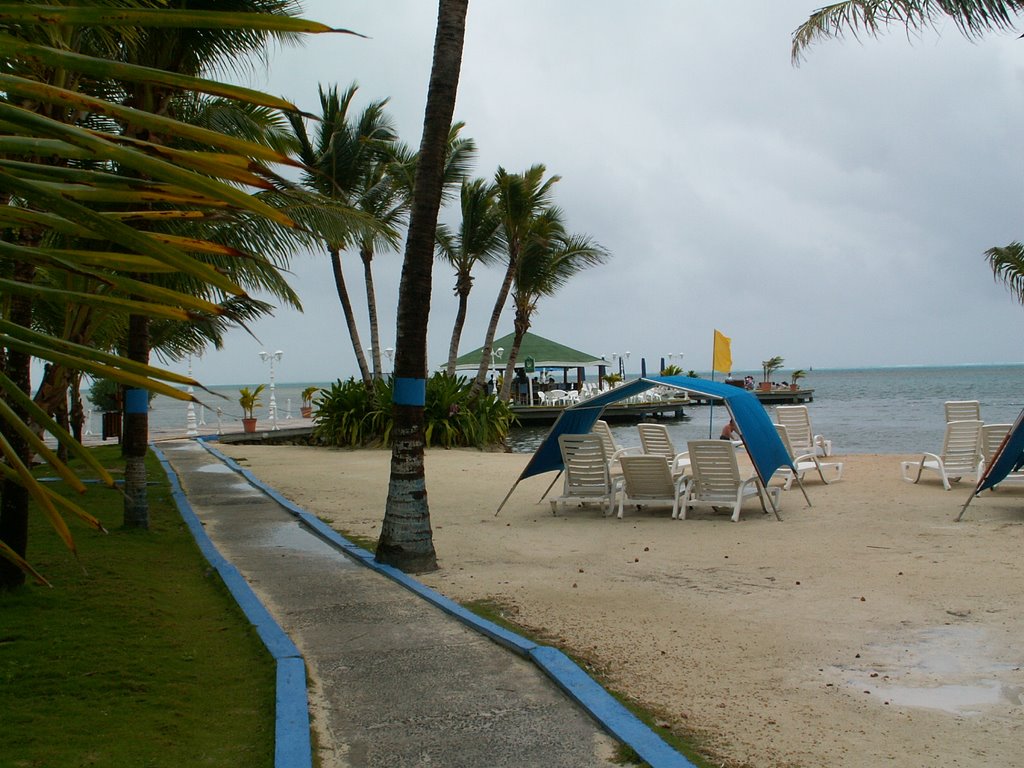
{"points": [[711, 410]]}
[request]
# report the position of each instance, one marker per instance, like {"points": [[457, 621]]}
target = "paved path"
{"points": [[394, 680]]}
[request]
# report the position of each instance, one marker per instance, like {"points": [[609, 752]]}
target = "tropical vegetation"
{"points": [[770, 366], [348, 415], [108, 191]]}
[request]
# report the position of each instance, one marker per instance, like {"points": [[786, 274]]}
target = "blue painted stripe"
{"points": [[136, 400], [409, 392], [607, 710], [601, 705], [292, 746]]}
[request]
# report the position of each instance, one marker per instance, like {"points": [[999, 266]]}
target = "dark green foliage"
{"points": [[347, 415]]}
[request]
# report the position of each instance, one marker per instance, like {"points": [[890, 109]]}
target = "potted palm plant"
{"points": [[769, 367], [249, 399], [307, 401], [794, 380]]}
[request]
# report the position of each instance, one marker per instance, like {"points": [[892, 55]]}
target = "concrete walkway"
{"points": [[399, 676]]}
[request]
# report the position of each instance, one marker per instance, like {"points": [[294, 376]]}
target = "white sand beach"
{"points": [[868, 629]]}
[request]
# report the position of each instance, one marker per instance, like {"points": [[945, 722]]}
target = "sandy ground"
{"points": [[868, 629]]}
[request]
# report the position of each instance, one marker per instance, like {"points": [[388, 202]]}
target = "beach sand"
{"points": [[868, 629]]}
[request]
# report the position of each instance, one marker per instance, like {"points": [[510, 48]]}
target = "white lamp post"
{"points": [[272, 357], [191, 427], [389, 353]]}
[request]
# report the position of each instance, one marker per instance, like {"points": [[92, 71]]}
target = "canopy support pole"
{"points": [[964, 508], [550, 486], [507, 495], [802, 489]]}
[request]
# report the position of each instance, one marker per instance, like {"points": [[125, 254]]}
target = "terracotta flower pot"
{"points": [[307, 411], [249, 425], [765, 386]]}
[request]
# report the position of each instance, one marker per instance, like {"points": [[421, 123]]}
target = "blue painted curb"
{"points": [[601, 705], [292, 746]]}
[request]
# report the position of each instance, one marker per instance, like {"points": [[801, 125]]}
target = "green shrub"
{"points": [[348, 416]]}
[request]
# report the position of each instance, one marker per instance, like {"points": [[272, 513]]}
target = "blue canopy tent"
{"points": [[1009, 457], [761, 440]]}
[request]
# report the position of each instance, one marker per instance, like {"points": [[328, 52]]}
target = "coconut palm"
{"points": [[44, 112], [478, 240], [522, 197], [549, 259], [405, 539], [342, 161], [972, 17], [1007, 264]]}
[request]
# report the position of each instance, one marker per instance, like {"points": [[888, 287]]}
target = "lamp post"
{"points": [[191, 428], [389, 352], [495, 356], [272, 357]]}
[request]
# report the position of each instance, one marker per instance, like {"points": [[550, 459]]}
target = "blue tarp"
{"points": [[762, 442], [1008, 458]]}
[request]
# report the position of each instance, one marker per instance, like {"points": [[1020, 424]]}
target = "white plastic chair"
{"points": [[797, 421], [992, 436], [647, 481], [586, 475], [961, 455], [655, 441], [716, 480], [804, 463], [962, 410], [612, 449]]}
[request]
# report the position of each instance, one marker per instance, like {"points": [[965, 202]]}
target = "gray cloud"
{"points": [[834, 213]]}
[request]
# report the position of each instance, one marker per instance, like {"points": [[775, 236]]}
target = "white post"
{"points": [[272, 357], [190, 417]]}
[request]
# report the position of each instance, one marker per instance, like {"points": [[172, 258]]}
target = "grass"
{"points": [[137, 657]]}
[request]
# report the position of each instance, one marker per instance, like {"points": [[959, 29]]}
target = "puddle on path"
{"points": [[945, 668], [216, 469], [299, 539]]}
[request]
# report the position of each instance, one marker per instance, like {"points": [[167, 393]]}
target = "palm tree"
{"points": [[550, 257], [115, 245], [478, 241], [972, 17], [349, 152], [521, 199], [1007, 264], [406, 540]]}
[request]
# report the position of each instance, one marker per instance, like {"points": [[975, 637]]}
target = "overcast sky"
{"points": [[834, 213]]}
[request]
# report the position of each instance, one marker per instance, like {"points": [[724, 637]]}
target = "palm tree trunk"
{"points": [[460, 322], [136, 431], [522, 325], [350, 317], [366, 254], [406, 540], [14, 497], [492, 328]]}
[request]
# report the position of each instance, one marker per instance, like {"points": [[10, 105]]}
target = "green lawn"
{"points": [[137, 656]]}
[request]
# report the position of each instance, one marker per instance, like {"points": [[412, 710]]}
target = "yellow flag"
{"points": [[722, 361]]}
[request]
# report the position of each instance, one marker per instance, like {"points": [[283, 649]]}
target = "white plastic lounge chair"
{"points": [[962, 410], [655, 442], [716, 480], [612, 449], [587, 479], [804, 463], [992, 436], [961, 455], [647, 481], [797, 421]]}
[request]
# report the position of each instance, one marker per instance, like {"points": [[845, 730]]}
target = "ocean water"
{"points": [[867, 410]]}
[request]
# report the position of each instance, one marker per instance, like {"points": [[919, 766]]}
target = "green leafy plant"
{"points": [[771, 365], [249, 399], [611, 379], [348, 415], [798, 374], [307, 396], [672, 370]]}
